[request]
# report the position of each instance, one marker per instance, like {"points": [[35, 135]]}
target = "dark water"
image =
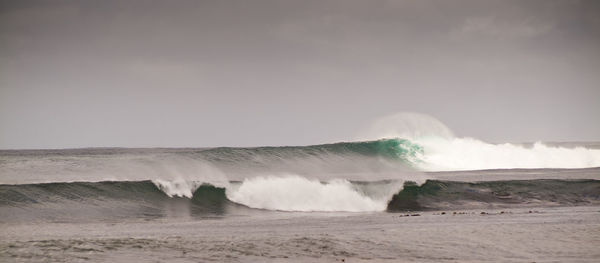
{"points": [[105, 201]]}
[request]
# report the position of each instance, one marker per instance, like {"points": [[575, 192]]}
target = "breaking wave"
{"points": [[93, 201], [390, 158], [437, 149], [295, 193], [391, 169], [440, 154]]}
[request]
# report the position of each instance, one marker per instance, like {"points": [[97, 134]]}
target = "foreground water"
{"points": [[562, 234], [386, 200]]}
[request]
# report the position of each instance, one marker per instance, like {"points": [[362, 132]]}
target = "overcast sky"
{"points": [[243, 73]]}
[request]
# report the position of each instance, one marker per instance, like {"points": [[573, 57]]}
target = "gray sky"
{"points": [[242, 73]]}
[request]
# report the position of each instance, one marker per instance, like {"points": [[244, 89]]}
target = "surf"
{"points": [[109, 200], [389, 158], [471, 154], [407, 162], [440, 150]]}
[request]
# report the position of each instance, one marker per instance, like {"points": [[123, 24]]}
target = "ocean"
{"points": [[425, 200]]}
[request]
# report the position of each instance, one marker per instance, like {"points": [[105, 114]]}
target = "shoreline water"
{"points": [[559, 233]]}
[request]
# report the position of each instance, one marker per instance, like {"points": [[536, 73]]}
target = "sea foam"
{"points": [[441, 154], [295, 193], [441, 150]]}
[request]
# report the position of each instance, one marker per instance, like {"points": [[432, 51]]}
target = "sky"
{"points": [[249, 73]]}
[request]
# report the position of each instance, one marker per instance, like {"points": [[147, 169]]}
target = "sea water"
{"points": [[427, 199]]}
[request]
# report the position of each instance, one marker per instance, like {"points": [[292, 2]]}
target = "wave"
{"points": [[413, 146], [148, 199], [397, 159], [447, 195], [108, 201], [295, 193], [287, 193], [453, 154], [373, 160], [440, 150], [428, 153]]}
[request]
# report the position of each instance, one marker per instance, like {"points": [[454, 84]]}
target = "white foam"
{"points": [[295, 193], [179, 188], [443, 154]]}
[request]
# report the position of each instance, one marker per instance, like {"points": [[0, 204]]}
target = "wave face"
{"points": [[107, 201], [99, 201], [361, 161], [447, 195]]}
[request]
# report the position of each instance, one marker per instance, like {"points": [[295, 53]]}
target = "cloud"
{"points": [[293, 72]]}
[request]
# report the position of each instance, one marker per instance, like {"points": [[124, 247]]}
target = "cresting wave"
{"points": [[295, 193], [433, 153], [325, 184], [146, 199], [361, 161], [440, 150]]}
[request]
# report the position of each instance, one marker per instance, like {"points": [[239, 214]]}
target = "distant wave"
{"points": [[427, 154], [438, 149], [394, 158]]}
